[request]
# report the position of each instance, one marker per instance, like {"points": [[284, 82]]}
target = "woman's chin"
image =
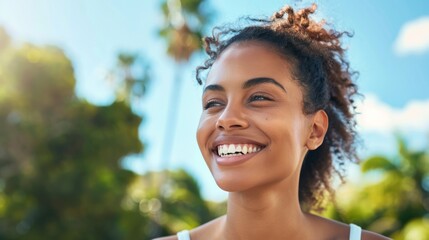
{"points": [[232, 185]]}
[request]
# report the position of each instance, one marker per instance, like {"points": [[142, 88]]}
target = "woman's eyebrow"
{"points": [[214, 87], [260, 80], [249, 83]]}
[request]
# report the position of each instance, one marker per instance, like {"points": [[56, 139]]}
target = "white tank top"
{"points": [[355, 233]]}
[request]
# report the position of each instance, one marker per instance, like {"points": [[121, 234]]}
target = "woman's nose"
{"points": [[231, 118]]}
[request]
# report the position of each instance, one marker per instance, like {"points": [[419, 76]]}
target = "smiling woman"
{"points": [[277, 113]]}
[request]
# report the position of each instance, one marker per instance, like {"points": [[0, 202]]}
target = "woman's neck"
{"points": [[269, 212]]}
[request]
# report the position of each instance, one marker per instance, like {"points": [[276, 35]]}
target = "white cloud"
{"points": [[413, 37], [379, 117]]}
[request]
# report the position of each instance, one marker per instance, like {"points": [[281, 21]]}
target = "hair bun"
{"points": [[297, 21]]}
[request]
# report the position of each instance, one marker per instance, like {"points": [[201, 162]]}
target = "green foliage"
{"points": [[171, 200], [392, 199], [377, 163], [415, 229], [129, 77], [60, 173]]}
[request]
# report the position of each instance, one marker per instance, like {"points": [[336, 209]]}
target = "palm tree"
{"points": [[129, 77], [184, 22], [406, 182], [392, 197]]}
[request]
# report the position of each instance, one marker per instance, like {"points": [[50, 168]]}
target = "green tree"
{"points": [[179, 205], [60, 172], [393, 196]]}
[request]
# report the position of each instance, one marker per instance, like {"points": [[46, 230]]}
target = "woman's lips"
{"points": [[233, 150], [234, 154], [228, 150]]}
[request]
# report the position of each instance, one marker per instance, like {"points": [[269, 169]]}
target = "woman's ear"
{"points": [[318, 130]]}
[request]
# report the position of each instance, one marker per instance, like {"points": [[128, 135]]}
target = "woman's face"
{"points": [[252, 130]]}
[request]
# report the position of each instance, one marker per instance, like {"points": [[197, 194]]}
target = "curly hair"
{"points": [[320, 68]]}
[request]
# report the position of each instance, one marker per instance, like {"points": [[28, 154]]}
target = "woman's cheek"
{"points": [[203, 132]]}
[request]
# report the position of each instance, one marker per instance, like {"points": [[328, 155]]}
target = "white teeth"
{"points": [[238, 148], [231, 148], [227, 150]]}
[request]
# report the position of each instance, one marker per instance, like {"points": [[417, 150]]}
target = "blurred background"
{"points": [[99, 108]]}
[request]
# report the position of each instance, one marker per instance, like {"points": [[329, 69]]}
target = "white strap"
{"points": [[355, 232], [184, 235]]}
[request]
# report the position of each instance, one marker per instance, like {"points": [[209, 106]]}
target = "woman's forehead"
{"points": [[246, 60]]}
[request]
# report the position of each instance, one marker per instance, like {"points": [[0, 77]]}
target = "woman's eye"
{"points": [[212, 103], [259, 97]]}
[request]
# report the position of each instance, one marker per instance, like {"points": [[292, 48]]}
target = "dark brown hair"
{"points": [[320, 67]]}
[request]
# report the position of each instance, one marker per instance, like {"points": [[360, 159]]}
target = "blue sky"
{"points": [[390, 49]]}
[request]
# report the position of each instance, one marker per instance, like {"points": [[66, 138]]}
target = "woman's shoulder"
{"points": [[339, 230], [167, 238], [201, 232], [368, 235], [329, 227]]}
